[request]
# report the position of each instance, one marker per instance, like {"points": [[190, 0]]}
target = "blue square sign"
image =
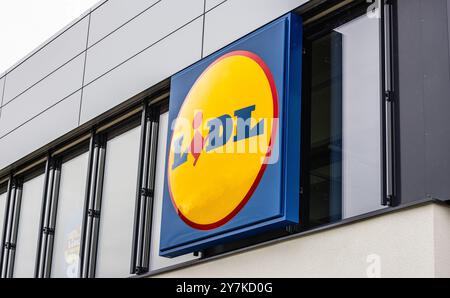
{"points": [[233, 158]]}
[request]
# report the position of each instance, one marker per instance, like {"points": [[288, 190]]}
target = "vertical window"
{"points": [[3, 223], [157, 262], [3, 198], [342, 111], [361, 115], [118, 203], [9, 239], [28, 229], [66, 251], [145, 193]]}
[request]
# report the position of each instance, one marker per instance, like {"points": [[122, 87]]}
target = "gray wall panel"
{"points": [[113, 14], [412, 116], [56, 87], [436, 69], [236, 18], [143, 71], [142, 32], [212, 3], [52, 56], [40, 131], [424, 89], [2, 83], [448, 25]]}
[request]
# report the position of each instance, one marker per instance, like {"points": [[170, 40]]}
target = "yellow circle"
{"points": [[209, 189]]}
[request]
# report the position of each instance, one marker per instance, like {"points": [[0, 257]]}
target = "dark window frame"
{"points": [[314, 32], [12, 220], [92, 219], [4, 189], [142, 235], [147, 113], [93, 209], [50, 202]]}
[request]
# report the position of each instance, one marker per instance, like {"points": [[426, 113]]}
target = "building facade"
{"points": [[86, 126]]}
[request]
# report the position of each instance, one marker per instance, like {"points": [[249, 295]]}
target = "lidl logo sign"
{"points": [[213, 169], [233, 152]]}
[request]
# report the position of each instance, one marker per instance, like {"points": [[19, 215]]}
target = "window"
{"points": [[70, 204], [20, 213], [28, 229], [3, 198], [11, 221], [3, 215], [118, 202], [342, 112], [157, 262]]}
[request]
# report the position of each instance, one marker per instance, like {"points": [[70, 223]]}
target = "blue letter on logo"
{"points": [[179, 157], [244, 122], [217, 140]]}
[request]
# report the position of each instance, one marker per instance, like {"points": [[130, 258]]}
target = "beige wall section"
{"points": [[442, 241], [407, 243]]}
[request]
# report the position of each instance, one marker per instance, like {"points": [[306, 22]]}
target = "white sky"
{"points": [[25, 24]]}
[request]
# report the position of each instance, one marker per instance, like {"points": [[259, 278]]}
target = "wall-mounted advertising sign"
{"points": [[233, 160]]}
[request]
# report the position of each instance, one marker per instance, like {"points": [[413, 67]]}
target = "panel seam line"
{"points": [[84, 71], [3, 94], [45, 77], [44, 45], [214, 7], [203, 27], [143, 50], [123, 25], [39, 114]]}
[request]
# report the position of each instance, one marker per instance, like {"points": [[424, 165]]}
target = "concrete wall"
{"points": [[111, 53], [442, 242], [409, 243]]}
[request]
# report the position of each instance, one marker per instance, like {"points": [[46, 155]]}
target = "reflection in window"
{"points": [[344, 150], [69, 217], [118, 203], [157, 262], [3, 197], [28, 232]]}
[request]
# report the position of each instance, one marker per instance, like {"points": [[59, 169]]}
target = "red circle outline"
{"points": [[255, 184]]}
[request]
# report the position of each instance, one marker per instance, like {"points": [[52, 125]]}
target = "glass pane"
{"points": [[29, 222], [2, 211], [69, 217], [345, 161], [361, 159], [119, 194], [326, 130], [157, 262]]}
